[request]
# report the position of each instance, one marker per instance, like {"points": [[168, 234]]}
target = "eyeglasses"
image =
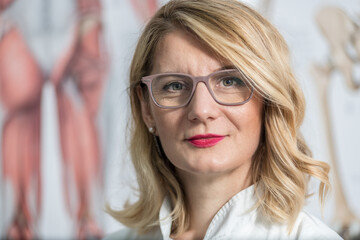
{"points": [[174, 90]]}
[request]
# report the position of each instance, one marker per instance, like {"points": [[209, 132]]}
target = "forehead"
{"points": [[180, 51]]}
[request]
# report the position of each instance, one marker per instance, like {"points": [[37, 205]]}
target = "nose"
{"points": [[202, 106]]}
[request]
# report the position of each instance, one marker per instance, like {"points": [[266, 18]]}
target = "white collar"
{"points": [[237, 207]]}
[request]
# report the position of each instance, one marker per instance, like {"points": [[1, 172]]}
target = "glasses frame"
{"points": [[147, 80]]}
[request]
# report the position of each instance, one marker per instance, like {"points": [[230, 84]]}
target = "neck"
{"points": [[206, 194]]}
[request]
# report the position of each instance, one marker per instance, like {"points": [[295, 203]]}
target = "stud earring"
{"points": [[152, 130]]}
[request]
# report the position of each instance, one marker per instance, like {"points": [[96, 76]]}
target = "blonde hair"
{"points": [[282, 164]]}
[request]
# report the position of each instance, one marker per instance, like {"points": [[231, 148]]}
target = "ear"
{"points": [[145, 108]]}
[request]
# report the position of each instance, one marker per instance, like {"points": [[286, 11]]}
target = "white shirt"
{"points": [[235, 221]]}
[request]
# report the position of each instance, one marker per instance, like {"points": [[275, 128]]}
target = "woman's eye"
{"points": [[174, 86], [228, 82]]}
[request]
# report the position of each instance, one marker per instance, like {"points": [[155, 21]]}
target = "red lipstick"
{"points": [[205, 140]]}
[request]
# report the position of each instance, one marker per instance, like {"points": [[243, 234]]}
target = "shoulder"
{"points": [[131, 234], [310, 227]]}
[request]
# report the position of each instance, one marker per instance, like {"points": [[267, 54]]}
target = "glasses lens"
{"points": [[230, 87], [171, 90]]}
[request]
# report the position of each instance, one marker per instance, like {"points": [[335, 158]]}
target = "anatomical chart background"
{"points": [[64, 108]]}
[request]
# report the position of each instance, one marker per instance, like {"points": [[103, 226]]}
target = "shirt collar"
{"points": [[239, 205], [165, 218]]}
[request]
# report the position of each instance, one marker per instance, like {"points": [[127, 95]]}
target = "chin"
{"points": [[205, 167]]}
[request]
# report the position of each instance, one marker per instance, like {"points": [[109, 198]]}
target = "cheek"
{"points": [[246, 118], [170, 126], [255, 123], [168, 132], [247, 121], [168, 122]]}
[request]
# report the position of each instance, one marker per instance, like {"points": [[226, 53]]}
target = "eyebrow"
{"points": [[226, 67]]}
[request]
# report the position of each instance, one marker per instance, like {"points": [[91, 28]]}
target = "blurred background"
{"points": [[64, 108]]}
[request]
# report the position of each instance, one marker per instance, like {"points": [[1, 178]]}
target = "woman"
{"points": [[215, 130]]}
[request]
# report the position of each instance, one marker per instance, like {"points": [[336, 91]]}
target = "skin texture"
{"points": [[203, 171]]}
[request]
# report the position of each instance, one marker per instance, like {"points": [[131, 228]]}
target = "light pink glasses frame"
{"points": [[147, 80]]}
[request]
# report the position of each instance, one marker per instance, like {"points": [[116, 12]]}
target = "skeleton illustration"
{"points": [[342, 34]]}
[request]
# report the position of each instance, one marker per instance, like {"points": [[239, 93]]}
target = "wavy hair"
{"points": [[281, 166]]}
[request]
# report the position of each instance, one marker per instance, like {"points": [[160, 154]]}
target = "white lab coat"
{"points": [[235, 221]]}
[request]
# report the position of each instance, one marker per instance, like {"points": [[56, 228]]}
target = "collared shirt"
{"points": [[237, 220]]}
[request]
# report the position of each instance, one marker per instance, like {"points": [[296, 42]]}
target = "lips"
{"points": [[205, 140]]}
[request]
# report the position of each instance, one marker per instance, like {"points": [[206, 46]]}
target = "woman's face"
{"points": [[237, 128]]}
